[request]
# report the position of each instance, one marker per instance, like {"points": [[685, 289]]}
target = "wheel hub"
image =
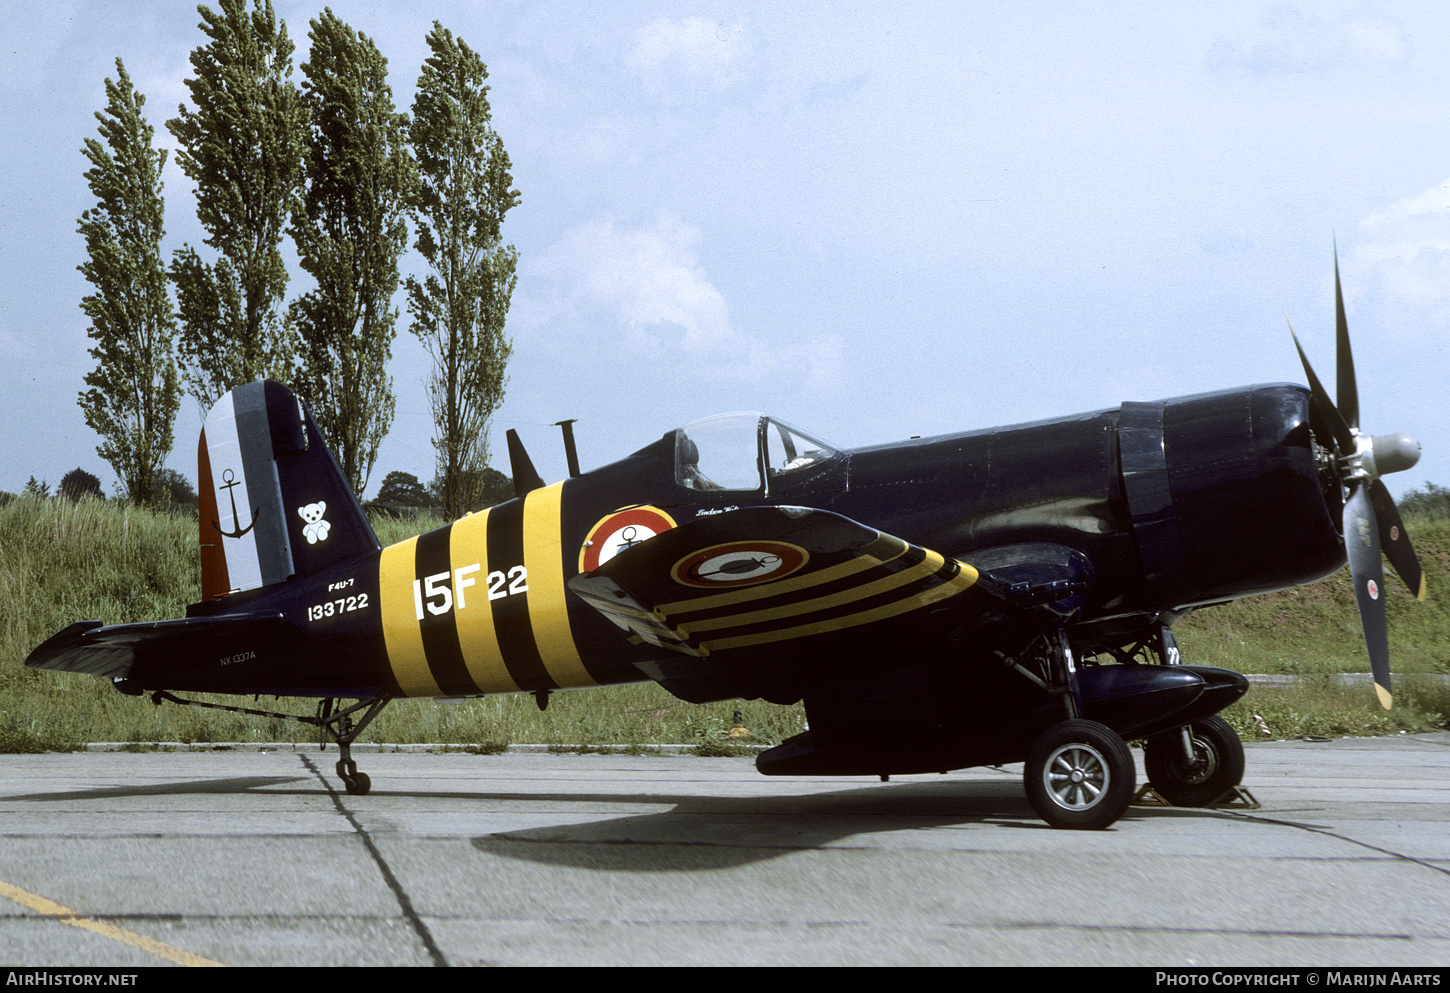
{"points": [[1076, 776], [1204, 764]]}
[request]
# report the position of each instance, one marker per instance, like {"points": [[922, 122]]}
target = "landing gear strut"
{"points": [[340, 726], [330, 721], [1079, 773]]}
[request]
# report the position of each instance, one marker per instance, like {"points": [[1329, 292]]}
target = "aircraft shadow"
{"points": [[698, 832], [708, 833], [230, 785]]}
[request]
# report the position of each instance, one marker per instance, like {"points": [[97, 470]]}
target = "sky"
{"points": [[873, 221]]}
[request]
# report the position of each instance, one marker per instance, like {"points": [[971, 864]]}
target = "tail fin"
{"points": [[274, 503]]}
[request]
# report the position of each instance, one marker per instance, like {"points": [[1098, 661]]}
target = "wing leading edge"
{"points": [[762, 576]]}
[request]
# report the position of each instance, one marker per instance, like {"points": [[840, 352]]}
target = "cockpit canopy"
{"points": [[743, 452]]}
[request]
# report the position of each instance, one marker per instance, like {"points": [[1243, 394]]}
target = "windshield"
{"points": [[788, 450], [739, 452]]}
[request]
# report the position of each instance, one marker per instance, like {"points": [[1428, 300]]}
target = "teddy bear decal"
{"points": [[316, 528]]}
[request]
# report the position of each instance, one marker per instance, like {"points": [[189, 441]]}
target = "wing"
{"points": [[761, 577]]}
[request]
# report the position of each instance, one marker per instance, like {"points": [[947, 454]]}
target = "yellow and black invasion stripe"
{"points": [[877, 592], [887, 578], [478, 606]]}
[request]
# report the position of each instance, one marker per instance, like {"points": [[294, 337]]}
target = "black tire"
{"points": [[356, 783], [1080, 775], [1220, 764]]}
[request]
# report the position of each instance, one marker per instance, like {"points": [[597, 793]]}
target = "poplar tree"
{"points": [[133, 395], [458, 311], [349, 232], [242, 146]]}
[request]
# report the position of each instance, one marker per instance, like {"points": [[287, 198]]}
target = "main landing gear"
{"points": [[1195, 765], [1080, 774]]}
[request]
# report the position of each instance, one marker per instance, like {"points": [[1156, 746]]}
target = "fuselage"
{"points": [[1184, 502]]}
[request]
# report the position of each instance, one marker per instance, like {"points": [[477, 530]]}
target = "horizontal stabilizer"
{"points": [[100, 650]]}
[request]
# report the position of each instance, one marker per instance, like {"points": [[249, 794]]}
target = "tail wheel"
{"points": [[1080, 775], [356, 783], [1217, 765]]}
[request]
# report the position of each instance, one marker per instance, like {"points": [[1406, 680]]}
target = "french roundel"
{"points": [[620, 530], [739, 563]]}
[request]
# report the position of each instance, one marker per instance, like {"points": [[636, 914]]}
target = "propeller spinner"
{"points": [[1372, 523]]}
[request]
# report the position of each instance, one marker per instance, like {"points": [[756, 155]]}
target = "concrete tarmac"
{"points": [[257, 858]]}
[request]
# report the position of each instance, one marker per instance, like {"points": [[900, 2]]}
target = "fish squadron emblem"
{"points": [[740, 563]]}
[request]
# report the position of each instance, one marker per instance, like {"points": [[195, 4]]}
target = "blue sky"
{"points": [[874, 222]]}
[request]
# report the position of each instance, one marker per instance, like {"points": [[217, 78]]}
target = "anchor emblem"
{"points": [[628, 539], [231, 481]]}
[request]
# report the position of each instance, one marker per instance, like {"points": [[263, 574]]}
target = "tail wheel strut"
{"points": [[331, 722]]}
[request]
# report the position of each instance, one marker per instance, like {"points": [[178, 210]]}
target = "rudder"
{"points": [[274, 502]]}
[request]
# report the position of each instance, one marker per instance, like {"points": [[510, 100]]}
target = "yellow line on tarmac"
{"points": [[49, 908]]}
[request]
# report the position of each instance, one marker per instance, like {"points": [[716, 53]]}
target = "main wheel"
{"points": [[1217, 766], [1080, 774]]}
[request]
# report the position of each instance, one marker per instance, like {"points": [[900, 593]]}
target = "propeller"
{"points": [[1372, 524]]}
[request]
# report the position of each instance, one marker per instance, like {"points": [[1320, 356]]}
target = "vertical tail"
{"points": [[274, 503]]}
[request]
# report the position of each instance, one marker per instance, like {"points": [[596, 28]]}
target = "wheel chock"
{"points": [[1235, 797], [1147, 796]]}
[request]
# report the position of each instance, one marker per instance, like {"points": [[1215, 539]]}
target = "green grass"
{"points": [[1315, 629], [1317, 707], [61, 562]]}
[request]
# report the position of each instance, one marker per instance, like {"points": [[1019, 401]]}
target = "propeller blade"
{"points": [[1362, 544], [1341, 432], [1346, 393], [1395, 540]]}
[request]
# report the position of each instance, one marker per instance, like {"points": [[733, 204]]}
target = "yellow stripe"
{"points": [[885, 549], [397, 568], [952, 587], [548, 606], [477, 638], [63, 914], [916, 573]]}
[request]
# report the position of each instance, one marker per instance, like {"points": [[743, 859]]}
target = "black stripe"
{"points": [[266, 513], [440, 631], [514, 630], [912, 557], [911, 590]]}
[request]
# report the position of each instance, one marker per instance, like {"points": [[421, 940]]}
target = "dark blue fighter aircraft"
{"points": [[984, 598]]}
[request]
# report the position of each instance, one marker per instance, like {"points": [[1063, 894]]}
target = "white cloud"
{"points": [[1402, 260], [650, 278], [646, 288], [1290, 41], [1431, 205], [678, 58]]}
